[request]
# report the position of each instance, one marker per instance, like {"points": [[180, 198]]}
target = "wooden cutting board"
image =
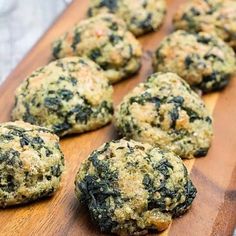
{"points": [[214, 209]]}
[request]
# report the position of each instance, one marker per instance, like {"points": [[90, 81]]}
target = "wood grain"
{"points": [[214, 176]]}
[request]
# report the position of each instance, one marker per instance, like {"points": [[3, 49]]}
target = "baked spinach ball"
{"points": [[130, 187], [140, 16], [165, 112], [212, 16], [105, 40], [70, 95], [203, 60], [31, 163]]}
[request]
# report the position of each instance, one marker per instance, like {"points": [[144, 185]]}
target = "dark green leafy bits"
{"points": [[130, 188]]}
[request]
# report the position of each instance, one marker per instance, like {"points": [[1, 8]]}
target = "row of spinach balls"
{"points": [[128, 186]]}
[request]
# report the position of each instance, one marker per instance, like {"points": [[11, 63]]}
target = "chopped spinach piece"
{"points": [[208, 119], [57, 49], [76, 40], [108, 107], [131, 149], [192, 114], [94, 194], [141, 99], [114, 26], [115, 39], [94, 54], [201, 152], [82, 113], [27, 117], [73, 80], [10, 157], [48, 152], [56, 170], [214, 81], [37, 140], [213, 56], [157, 101], [178, 100], [174, 115], [148, 183], [110, 4], [188, 62], [190, 20], [163, 167], [7, 137], [166, 192], [159, 204], [52, 103], [203, 39], [60, 128], [65, 94], [190, 194], [146, 23], [89, 12], [211, 77], [48, 177], [194, 11], [10, 186], [24, 141]]}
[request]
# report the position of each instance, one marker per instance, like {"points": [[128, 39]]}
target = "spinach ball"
{"points": [[140, 16], [213, 16], [31, 163], [203, 60], [70, 95], [164, 111], [106, 40], [130, 187]]}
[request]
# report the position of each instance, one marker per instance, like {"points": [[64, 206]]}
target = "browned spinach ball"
{"points": [[31, 163], [130, 187], [203, 60], [164, 111]]}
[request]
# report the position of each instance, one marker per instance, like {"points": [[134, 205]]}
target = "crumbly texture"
{"points": [[165, 112], [140, 16], [71, 95], [213, 16], [31, 163], [203, 60], [130, 187], [105, 40]]}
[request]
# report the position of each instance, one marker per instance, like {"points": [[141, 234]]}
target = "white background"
{"points": [[22, 22]]}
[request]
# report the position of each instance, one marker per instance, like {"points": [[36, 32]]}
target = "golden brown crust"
{"points": [[212, 16], [165, 112], [31, 163], [130, 187], [140, 16], [203, 60], [105, 40], [71, 95]]}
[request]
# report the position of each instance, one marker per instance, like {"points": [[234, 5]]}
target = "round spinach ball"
{"points": [[213, 16], [165, 112], [130, 187], [203, 60], [31, 163], [140, 16], [105, 40], [70, 95]]}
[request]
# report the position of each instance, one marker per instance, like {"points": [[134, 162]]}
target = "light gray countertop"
{"points": [[22, 22]]}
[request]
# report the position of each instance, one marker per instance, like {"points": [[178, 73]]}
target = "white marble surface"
{"points": [[22, 22]]}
